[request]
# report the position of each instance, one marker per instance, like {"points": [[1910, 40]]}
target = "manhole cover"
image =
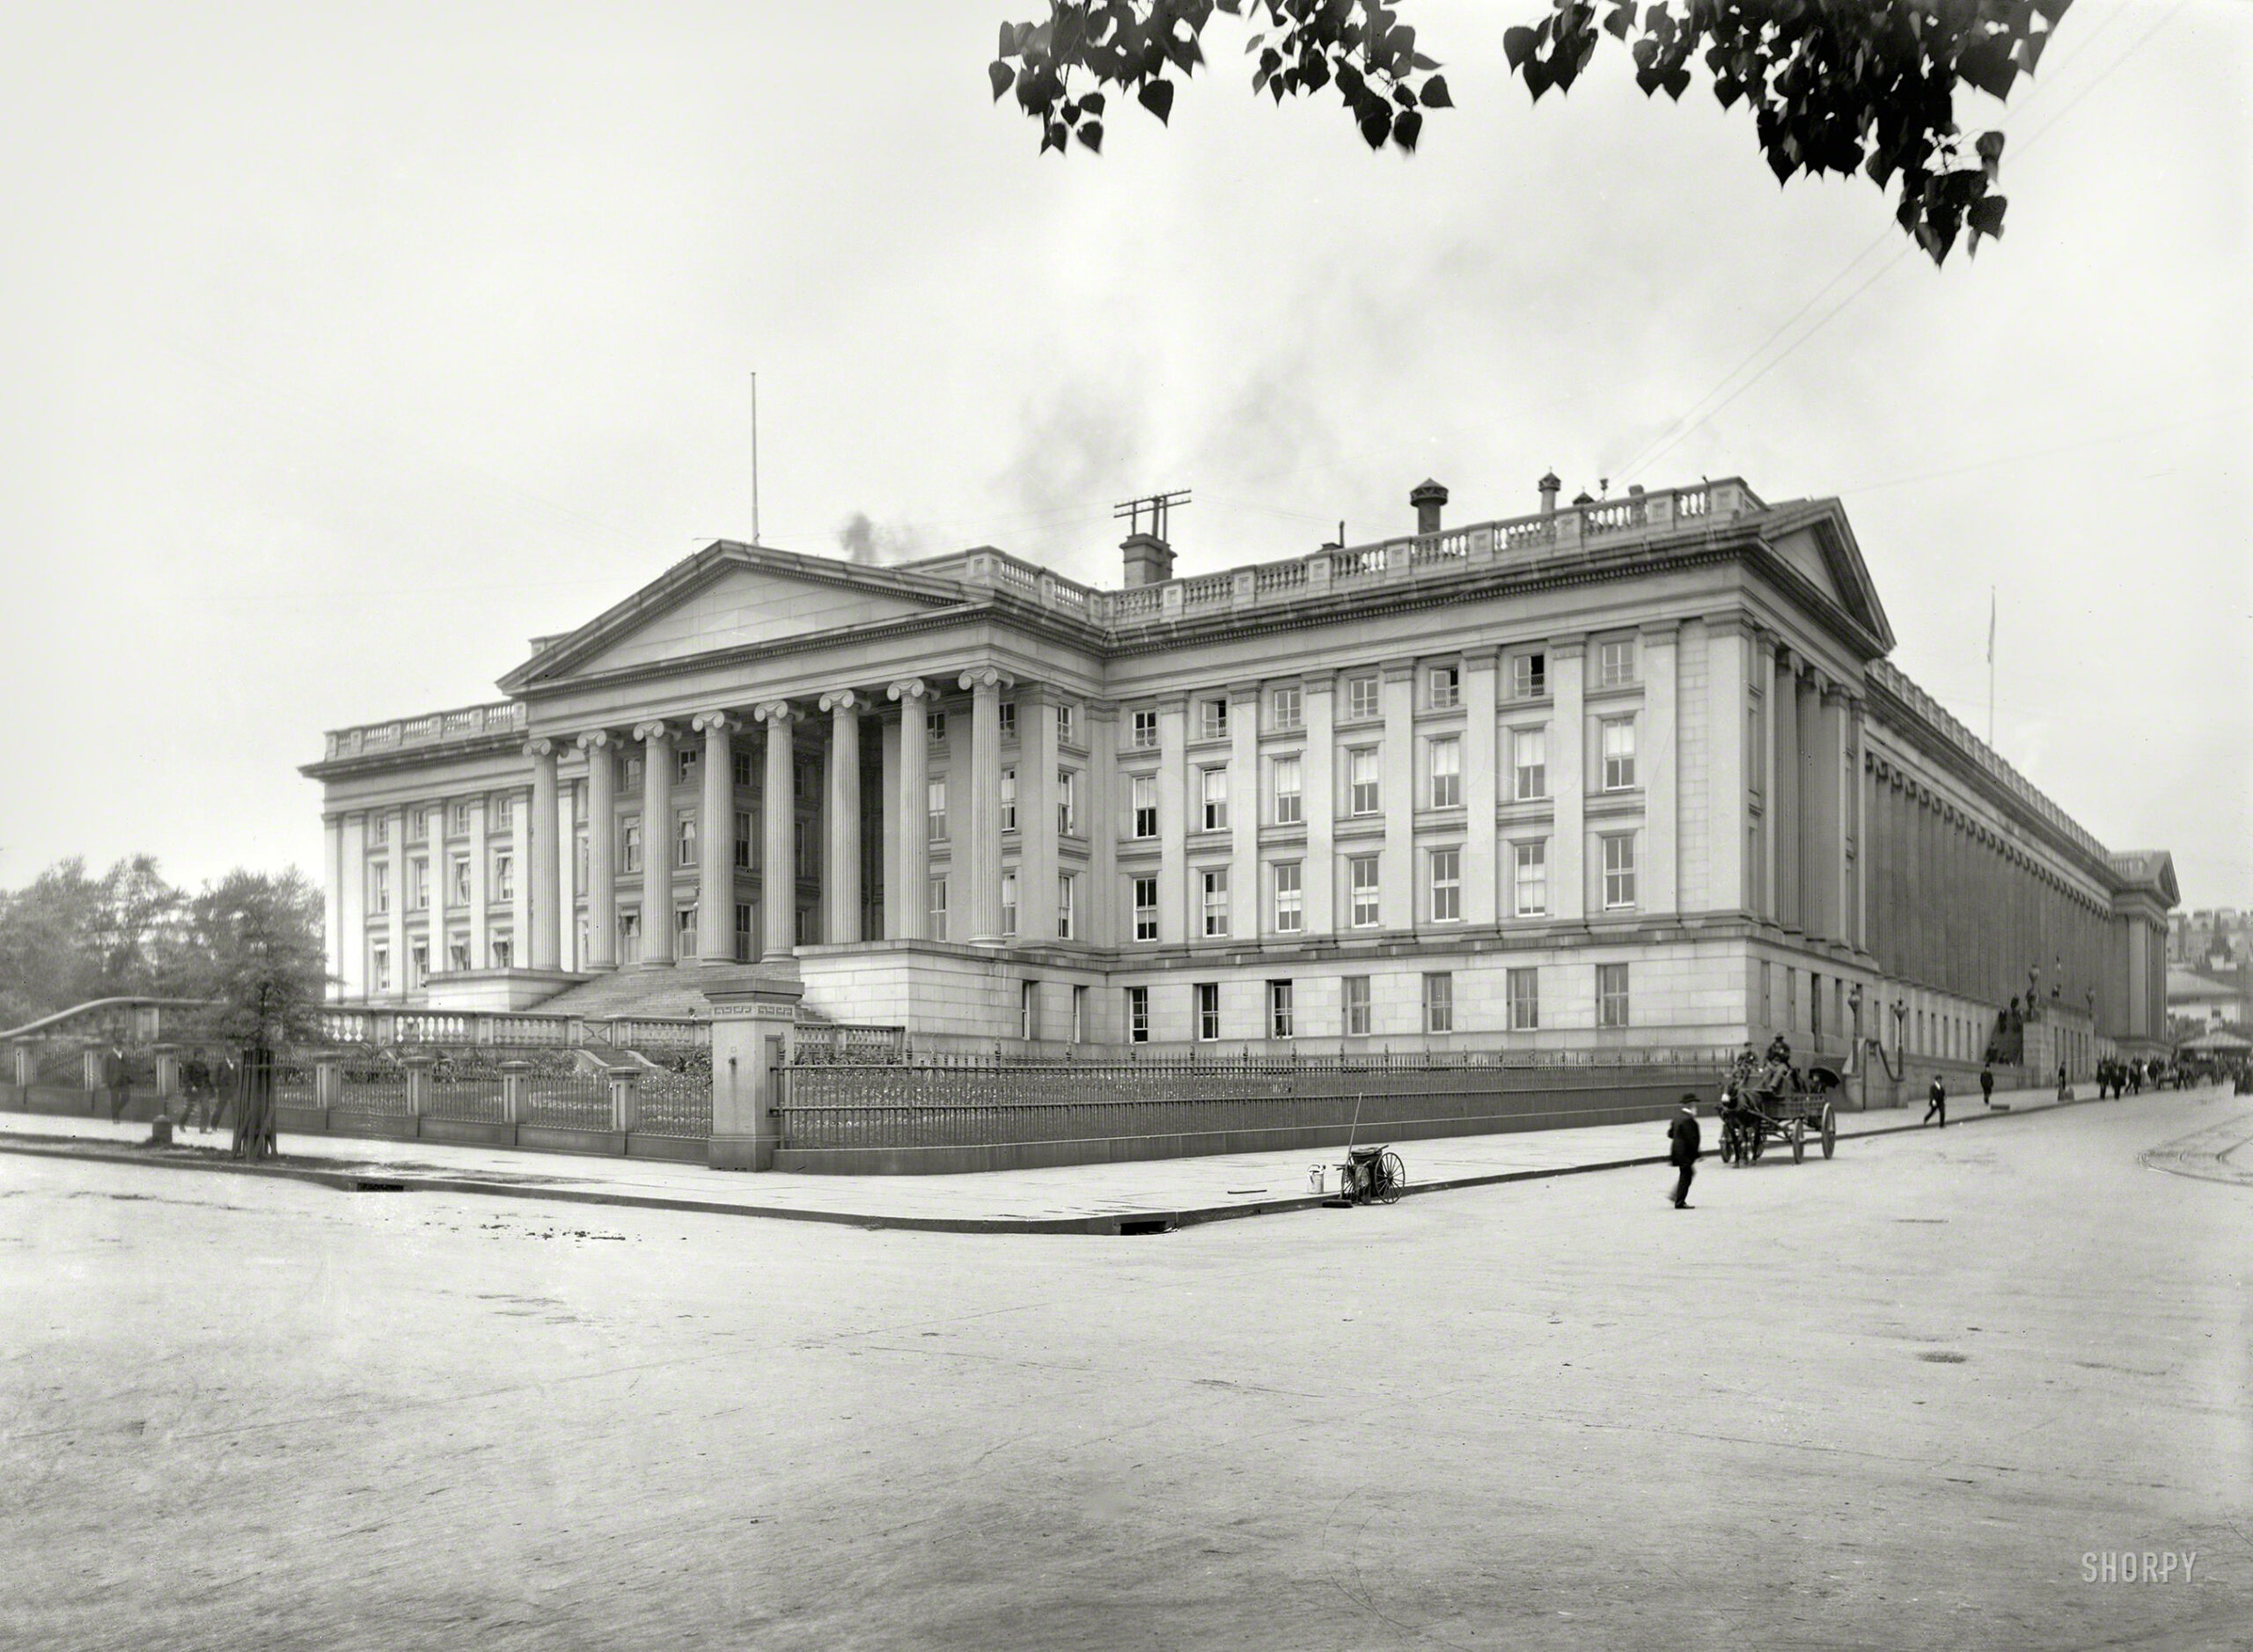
{"points": [[1940, 1356]]}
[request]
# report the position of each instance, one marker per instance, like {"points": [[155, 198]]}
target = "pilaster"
{"points": [[1398, 873], [1482, 764], [1657, 876], [1569, 764]]}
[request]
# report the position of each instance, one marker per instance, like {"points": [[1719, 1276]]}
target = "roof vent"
{"points": [[1428, 496]]}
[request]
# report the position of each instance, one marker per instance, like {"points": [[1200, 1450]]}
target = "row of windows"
{"points": [[1443, 888], [1068, 724], [1521, 996], [1526, 672], [500, 954], [422, 820], [502, 886]]}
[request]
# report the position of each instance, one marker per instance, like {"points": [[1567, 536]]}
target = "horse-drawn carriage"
{"points": [[1774, 1101]]}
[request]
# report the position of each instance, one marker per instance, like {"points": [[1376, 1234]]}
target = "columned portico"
{"points": [[546, 933], [913, 832], [779, 874], [841, 885], [656, 842], [602, 850], [715, 841]]}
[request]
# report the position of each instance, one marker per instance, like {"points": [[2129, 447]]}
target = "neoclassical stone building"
{"points": [[1613, 775]]}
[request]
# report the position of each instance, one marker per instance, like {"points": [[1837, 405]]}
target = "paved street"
{"points": [[1889, 1400]]}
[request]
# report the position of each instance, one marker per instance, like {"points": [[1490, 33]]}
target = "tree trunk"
{"points": [[255, 1107]]}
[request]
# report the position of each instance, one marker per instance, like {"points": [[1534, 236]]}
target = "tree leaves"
{"points": [[1841, 86]]}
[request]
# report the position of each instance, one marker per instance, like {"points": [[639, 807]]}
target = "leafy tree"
{"points": [[66, 938], [1834, 85]]}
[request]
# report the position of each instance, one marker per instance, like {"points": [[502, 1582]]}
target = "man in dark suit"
{"points": [[1682, 1135]]}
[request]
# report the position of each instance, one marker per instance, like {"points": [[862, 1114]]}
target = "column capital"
{"points": [[909, 688], [596, 740], [713, 723], [840, 700], [542, 747], [989, 677], [774, 711], [646, 732]]}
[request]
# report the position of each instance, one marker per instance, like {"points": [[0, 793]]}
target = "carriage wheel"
{"points": [[1829, 1130], [1799, 1140], [1395, 1177], [1730, 1154]]}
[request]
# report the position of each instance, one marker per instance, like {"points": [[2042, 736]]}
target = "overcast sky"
{"points": [[342, 349]]}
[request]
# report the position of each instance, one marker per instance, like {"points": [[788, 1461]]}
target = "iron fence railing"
{"points": [[479, 1097], [675, 1104], [567, 1101]]}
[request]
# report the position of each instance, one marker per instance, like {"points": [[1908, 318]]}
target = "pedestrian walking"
{"points": [[1936, 1102], [2065, 1084], [1682, 1136], [1987, 1086], [121, 1086]]}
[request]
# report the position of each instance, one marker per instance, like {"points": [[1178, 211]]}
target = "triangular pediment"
{"points": [[1814, 541], [731, 597]]}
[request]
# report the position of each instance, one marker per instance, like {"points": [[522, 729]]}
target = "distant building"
{"points": [[1610, 775], [2204, 1001]]}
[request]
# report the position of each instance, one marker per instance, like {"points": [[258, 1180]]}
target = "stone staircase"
{"points": [[632, 991]]}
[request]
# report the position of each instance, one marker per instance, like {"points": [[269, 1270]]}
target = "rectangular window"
{"points": [[418, 967], [458, 955], [379, 888], [1068, 803], [1529, 676], [1525, 1000], [1767, 995], [1138, 1015], [743, 840], [1612, 995], [1362, 792], [1447, 886], [1213, 784], [687, 762], [1439, 1002], [379, 971], [418, 825], [1285, 710], [684, 838], [378, 830], [418, 886], [1215, 883], [629, 845], [1290, 899], [806, 926], [1615, 664], [629, 777], [1280, 1019], [1445, 761], [579, 861], [458, 824], [934, 727], [505, 813], [740, 768], [1357, 1006], [1144, 798], [1146, 909], [934, 811], [1618, 753], [743, 932], [1009, 903], [1208, 1010], [1445, 688], [684, 932], [1029, 1009], [1529, 759], [505, 876], [1144, 735], [1814, 1007], [1066, 888], [1283, 781], [1618, 871], [1532, 878], [1008, 800], [935, 909], [1361, 699], [1066, 726], [1079, 1014], [1213, 719], [1361, 873], [503, 951], [1009, 709]]}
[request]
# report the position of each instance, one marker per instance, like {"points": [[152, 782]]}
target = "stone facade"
{"points": [[1620, 774]]}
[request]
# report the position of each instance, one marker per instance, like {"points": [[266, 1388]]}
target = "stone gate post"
{"points": [[754, 1020]]}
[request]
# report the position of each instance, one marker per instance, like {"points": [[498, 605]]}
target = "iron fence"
{"points": [[675, 1103], [567, 1101], [376, 1087]]}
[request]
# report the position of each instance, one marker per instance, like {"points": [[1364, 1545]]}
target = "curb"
{"points": [[373, 1178]]}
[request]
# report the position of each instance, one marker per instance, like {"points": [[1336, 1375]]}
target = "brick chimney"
{"points": [[1428, 496], [1549, 485], [1149, 559]]}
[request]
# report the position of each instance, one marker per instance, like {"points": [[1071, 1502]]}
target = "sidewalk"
{"points": [[1144, 1196]]}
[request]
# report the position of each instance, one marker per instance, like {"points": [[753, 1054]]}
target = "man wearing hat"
{"points": [[1682, 1133]]}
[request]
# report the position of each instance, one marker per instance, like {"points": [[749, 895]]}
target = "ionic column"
{"points": [[912, 876], [778, 886], [1100, 823], [1858, 786], [656, 842], [1830, 835], [841, 881], [1785, 806], [402, 970], [545, 946], [602, 850], [481, 893], [1765, 768], [715, 841], [982, 851], [335, 936]]}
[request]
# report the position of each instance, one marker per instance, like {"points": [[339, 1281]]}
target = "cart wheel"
{"points": [[1395, 1177], [1829, 1130], [1728, 1145], [1799, 1140]]}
